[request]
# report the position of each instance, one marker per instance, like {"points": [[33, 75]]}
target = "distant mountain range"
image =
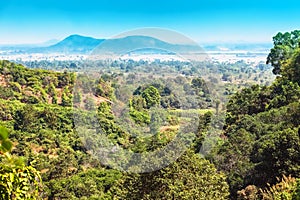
{"points": [[82, 44], [85, 45]]}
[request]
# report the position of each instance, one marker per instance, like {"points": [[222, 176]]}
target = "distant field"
{"points": [[191, 111]]}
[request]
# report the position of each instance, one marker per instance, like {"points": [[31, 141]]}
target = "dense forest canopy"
{"points": [[262, 130], [257, 151]]}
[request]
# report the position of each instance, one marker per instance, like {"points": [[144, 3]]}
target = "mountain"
{"points": [[85, 45], [138, 42], [71, 44]]}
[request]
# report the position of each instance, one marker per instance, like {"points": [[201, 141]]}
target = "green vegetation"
{"points": [[262, 129], [189, 177], [17, 181], [42, 128], [257, 147]]}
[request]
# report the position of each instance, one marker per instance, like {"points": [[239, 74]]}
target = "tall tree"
{"points": [[284, 46]]}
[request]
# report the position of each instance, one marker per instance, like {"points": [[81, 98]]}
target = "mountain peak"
{"points": [[76, 43], [76, 36]]}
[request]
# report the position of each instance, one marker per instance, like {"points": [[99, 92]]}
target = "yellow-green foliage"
{"points": [[17, 181], [284, 190], [33, 85]]}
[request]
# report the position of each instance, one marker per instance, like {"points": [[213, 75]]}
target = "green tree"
{"points": [[291, 68], [90, 184], [151, 96], [26, 119], [137, 102], [200, 85], [190, 177], [233, 158], [284, 46], [276, 154], [138, 111]]}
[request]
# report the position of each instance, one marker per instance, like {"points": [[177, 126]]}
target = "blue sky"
{"points": [[31, 21]]}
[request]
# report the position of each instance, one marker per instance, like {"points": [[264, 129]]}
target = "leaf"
{"points": [[7, 145], [12, 177], [3, 133], [25, 189]]}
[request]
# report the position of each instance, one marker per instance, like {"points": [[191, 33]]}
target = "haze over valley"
{"points": [[77, 47]]}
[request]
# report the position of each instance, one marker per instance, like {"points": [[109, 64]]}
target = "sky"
{"points": [[209, 21]]}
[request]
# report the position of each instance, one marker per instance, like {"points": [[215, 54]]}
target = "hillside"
{"points": [[45, 132], [262, 145], [130, 43], [71, 44], [92, 136]]}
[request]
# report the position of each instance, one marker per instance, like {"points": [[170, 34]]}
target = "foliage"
{"points": [[151, 96], [187, 178], [284, 45], [17, 181], [90, 184], [34, 86], [286, 189], [291, 67], [5, 143], [36, 106], [262, 127], [279, 150]]}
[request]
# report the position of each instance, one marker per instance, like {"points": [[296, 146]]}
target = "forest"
{"points": [[55, 116]]}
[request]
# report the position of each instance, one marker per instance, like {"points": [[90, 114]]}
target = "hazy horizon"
{"points": [[52, 41]]}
